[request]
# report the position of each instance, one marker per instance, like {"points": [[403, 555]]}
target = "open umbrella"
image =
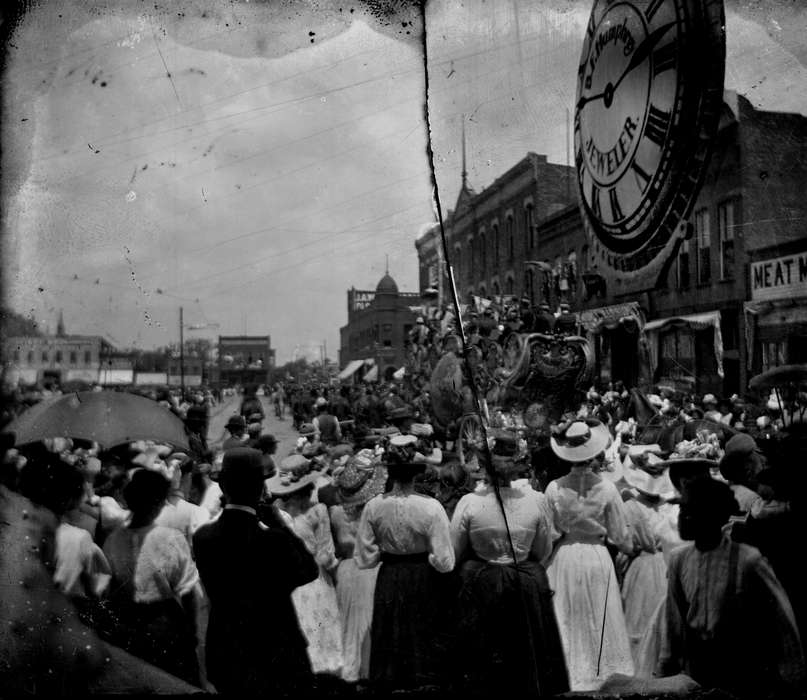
{"points": [[780, 376], [109, 418]]}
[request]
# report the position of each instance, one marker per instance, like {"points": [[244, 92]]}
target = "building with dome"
{"points": [[378, 323]]}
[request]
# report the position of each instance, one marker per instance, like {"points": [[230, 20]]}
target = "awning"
{"points": [[351, 369], [694, 321], [372, 375], [609, 317], [771, 313]]}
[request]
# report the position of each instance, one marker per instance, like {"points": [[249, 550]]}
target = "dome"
{"points": [[387, 285]]}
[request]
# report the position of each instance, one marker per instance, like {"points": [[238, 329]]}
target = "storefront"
{"points": [[686, 352], [776, 316], [615, 334]]}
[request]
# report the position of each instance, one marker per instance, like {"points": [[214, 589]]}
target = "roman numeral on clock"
{"points": [[642, 178], [616, 210], [657, 124], [595, 201], [664, 58], [652, 8]]}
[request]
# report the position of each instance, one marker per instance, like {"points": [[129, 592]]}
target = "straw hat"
{"points": [[581, 441], [659, 486], [357, 482], [294, 474]]}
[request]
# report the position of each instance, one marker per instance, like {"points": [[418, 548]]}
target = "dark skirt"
{"points": [[159, 633], [407, 641], [508, 634]]}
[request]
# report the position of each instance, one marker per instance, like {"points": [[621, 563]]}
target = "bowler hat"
{"points": [[236, 421]]}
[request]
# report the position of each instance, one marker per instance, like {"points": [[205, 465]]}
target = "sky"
{"points": [[251, 162]]}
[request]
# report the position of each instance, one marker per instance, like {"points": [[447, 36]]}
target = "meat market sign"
{"points": [[779, 278]]}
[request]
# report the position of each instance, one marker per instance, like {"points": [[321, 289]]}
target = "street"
{"points": [[283, 430]]}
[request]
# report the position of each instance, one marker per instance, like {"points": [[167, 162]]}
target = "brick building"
{"points": [[491, 234], [244, 359], [378, 324], [704, 326]]}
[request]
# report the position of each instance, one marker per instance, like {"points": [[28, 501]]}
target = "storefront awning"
{"points": [[372, 375], [351, 369], [696, 322], [767, 314]]}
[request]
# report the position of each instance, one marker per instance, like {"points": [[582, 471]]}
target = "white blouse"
{"points": [[598, 514], [397, 523], [478, 520]]}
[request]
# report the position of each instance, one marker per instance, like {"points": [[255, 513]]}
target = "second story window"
{"points": [[58, 356], [45, 356], [529, 228], [30, 357], [510, 239], [496, 246], [682, 266], [725, 226], [703, 242], [87, 357], [482, 253], [73, 357]]}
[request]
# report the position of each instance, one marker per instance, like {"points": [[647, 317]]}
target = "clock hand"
{"points": [[644, 50], [583, 101]]}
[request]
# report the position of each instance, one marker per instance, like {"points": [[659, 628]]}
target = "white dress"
{"points": [[645, 584], [315, 602], [588, 605], [355, 589]]}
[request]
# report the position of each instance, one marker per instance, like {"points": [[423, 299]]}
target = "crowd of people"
{"points": [[576, 558]]}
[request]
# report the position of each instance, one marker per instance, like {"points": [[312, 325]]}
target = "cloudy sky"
{"points": [[251, 161]]}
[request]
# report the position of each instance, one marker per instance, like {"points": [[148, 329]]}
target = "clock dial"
{"points": [[641, 110]]}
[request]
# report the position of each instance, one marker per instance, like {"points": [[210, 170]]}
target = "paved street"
{"points": [[283, 430]]}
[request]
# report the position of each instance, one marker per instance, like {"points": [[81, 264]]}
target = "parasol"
{"points": [[109, 418], [780, 376]]}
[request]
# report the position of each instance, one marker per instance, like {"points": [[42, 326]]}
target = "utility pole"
{"points": [[181, 354]]}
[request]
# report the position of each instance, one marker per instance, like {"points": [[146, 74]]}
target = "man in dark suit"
{"points": [[249, 569]]}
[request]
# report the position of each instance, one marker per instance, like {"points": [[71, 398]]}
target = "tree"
{"points": [[13, 324]]}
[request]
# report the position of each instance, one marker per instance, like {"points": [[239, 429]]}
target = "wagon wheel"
{"points": [[470, 438]]}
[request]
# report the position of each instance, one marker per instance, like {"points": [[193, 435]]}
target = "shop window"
{"points": [[773, 354], [682, 266], [703, 242], [677, 354], [73, 358], [725, 225]]}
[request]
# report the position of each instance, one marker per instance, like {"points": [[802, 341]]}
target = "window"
{"points": [[45, 357], [30, 357], [496, 289], [682, 266], [386, 328], [725, 227], [73, 357], [17, 355], [472, 256], [58, 356], [677, 356], [457, 261], [510, 238], [531, 285], [529, 211], [773, 355], [482, 252], [703, 243], [496, 243], [510, 285], [87, 357]]}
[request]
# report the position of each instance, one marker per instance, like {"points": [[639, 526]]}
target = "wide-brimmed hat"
{"points": [[400, 413], [401, 452], [680, 469], [236, 421], [294, 474], [659, 486], [581, 440], [357, 483]]}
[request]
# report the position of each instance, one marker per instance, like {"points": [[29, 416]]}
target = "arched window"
{"points": [[482, 252], [496, 245], [496, 289], [457, 264], [531, 285], [471, 257]]}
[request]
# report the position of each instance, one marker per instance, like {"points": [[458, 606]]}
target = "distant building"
{"points": [[245, 359], [378, 324]]}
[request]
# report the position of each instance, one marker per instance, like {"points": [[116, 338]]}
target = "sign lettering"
{"points": [[779, 278]]}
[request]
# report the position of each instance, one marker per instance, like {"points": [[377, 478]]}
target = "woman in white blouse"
{"points": [[507, 629], [409, 535], [588, 510]]}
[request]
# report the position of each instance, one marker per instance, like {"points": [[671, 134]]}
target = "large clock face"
{"points": [[639, 117]]}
